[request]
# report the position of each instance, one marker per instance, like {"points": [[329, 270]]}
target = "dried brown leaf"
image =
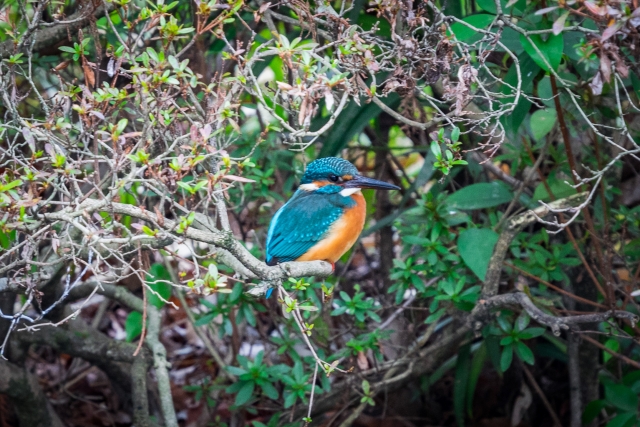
{"points": [[362, 361], [303, 111], [558, 25], [605, 67], [62, 65], [611, 30], [89, 75], [237, 178], [546, 10], [595, 9], [596, 84]]}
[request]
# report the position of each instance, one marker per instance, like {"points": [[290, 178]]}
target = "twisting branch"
{"points": [[557, 324], [512, 227], [220, 239]]}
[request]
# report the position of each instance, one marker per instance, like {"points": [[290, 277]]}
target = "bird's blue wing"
{"points": [[301, 223]]}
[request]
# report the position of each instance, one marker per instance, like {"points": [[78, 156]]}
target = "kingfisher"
{"points": [[324, 217]]}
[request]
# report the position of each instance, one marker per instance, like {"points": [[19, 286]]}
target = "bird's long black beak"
{"points": [[360, 181]]}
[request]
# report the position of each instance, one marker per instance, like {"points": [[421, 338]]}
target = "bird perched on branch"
{"points": [[324, 217]]}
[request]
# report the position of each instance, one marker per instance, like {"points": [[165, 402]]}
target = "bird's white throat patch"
{"points": [[345, 192], [349, 191], [308, 187]]}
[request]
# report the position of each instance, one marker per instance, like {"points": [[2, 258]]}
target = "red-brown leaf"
{"points": [[610, 31]]}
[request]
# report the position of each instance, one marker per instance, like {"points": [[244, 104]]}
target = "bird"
{"points": [[324, 217]]}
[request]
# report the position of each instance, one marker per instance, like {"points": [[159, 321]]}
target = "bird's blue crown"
{"points": [[320, 169]]}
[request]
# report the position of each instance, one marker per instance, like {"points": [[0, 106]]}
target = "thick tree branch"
{"points": [[522, 300], [220, 239], [159, 353], [139, 392], [78, 339], [81, 341], [59, 31], [29, 401]]}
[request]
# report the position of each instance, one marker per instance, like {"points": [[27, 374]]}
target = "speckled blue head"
{"points": [[327, 167]]}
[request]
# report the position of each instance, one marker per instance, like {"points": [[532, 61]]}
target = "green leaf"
{"points": [[622, 420], [490, 6], [258, 360], [417, 240], [174, 62], [338, 311], [621, 397], [133, 326], [592, 410], [559, 188], [290, 400], [149, 232], [524, 353], [366, 387], [542, 121], [611, 344], [531, 333], [245, 393], [506, 340], [480, 196], [235, 370], [476, 248], [11, 185], [506, 358], [632, 380], [435, 149], [522, 321], [121, 125], [67, 49], [551, 49], [477, 364], [434, 316], [460, 383], [205, 320], [269, 391], [505, 325], [158, 272], [345, 296], [468, 35], [455, 134], [5, 241]]}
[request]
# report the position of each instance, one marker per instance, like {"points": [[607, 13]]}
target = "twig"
{"points": [[205, 339], [615, 354], [544, 399], [554, 287], [144, 306]]}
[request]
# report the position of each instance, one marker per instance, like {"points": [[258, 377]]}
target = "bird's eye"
{"points": [[334, 177]]}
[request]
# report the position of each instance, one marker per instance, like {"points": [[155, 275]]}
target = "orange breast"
{"points": [[341, 236]]}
